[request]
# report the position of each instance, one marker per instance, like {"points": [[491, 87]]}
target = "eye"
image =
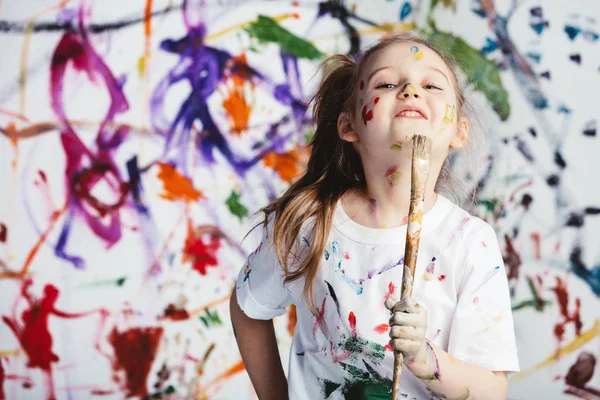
{"points": [[386, 86], [431, 86]]}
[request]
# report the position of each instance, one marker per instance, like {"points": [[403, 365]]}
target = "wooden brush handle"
{"points": [[419, 173]]}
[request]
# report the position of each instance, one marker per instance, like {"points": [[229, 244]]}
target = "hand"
{"points": [[408, 326]]}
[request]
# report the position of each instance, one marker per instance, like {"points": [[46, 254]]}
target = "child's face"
{"points": [[405, 89]]}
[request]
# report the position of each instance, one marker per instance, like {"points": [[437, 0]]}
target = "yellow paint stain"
{"points": [[396, 146], [384, 226], [417, 217], [418, 55], [289, 165], [6, 353], [176, 186], [449, 114], [568, 348], [451, 358], [495, 320], [141, 66], [395, 176], [427, 277], [278, 18]]}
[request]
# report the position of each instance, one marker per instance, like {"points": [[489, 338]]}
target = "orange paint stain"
{"points": [[289, 165], [292, 319], [235, 102], [235, 369], [176, 186]]}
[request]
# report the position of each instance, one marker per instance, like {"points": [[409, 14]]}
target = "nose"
{"points": [[408, 90]]}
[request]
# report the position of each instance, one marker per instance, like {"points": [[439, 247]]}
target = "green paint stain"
{"points": [[490, 205], [396, 146], [234, 205], [481, 73], [267, 30], [121, 281], [532, 303], [211, 318], [358, 346], [330, 387], [309, 135]]}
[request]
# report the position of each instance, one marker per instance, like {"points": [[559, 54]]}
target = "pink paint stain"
{"points": [[405, 220], [476, 301], [346, 255], [382, 328], [352, 322], [366, 115], [320, 321], [483, 243]]}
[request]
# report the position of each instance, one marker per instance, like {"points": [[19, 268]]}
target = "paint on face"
{"points": [[396, 146], [376, 100], [366, 115], [392, 175], [361, 101], [3, 233], [416, 53], [362, 85]]}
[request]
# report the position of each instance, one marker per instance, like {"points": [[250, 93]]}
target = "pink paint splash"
{"points": [[346, 255], [352, 323], [34, 334], [382, 328]]}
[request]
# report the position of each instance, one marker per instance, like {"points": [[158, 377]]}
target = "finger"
{"points": [[407, 305], [405, 332], [406, 347], [405, 319]]}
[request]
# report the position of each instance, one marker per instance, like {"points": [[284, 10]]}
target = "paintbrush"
{"points": [[421, 155]]}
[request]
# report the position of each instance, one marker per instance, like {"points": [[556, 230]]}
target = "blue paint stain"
{"points": [[489, 47], [589, 276], [405, 10], [537, 57], [572, 31], [539, 27], [326, 254]]}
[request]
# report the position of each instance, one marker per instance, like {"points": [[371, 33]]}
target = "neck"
{"points": [[385, 201]]}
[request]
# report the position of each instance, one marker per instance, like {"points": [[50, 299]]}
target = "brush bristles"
{"points": [[421, 147]]}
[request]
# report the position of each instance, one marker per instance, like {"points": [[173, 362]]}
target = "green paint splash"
{"points": [[361, 347], [267, 30], [234, 205], [211, 318], [480, 72]]}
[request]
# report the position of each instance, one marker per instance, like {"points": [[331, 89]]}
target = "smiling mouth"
{"points": [[410, 114]]}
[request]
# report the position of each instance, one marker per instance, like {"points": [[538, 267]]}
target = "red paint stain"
{"points": [[101, 392], [538, 249], [388, 347], [33, 333], [376, 100], [362, 85], [483, 244], [320, 320], [175, 314], [382, 328], [391, 289], [203, 251], [43, 176], [346, 255], [352, 322], [562, 297], [366, 115], [442, 277], [135, 350], [512, 259], [3, 233]]}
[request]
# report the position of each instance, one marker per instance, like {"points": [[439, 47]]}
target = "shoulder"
{"points": [[470, 227]]}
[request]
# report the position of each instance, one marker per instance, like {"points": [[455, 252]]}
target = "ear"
{"points": [[345, 127], [462, 134]]}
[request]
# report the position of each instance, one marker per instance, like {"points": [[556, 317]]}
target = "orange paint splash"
{"points": [[289, 165], [292, 319], [234, 97], [235, 369], [176, 186]]}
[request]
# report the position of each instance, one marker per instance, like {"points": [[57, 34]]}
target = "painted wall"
{"points": [[139, 136]]}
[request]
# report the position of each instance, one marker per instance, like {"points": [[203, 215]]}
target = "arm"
{"points": [[258, 347], [457, 379]]}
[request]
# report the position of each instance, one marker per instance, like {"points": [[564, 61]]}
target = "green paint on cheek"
{"points": [[396, 146]]}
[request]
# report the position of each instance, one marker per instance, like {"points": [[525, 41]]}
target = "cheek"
{"points": [[368, 110]]}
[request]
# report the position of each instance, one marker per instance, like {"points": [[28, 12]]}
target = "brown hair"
{"points": [[334, 166]]}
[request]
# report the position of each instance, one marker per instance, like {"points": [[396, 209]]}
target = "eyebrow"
{"points": [[430, 68]]}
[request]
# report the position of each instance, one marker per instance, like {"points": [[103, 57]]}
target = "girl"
{"points": [[333, 246]]}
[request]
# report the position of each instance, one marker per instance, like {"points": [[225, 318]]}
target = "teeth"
{"points": [[410, 114]]}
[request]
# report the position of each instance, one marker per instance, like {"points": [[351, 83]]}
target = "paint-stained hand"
{"points": [[408, 326]]}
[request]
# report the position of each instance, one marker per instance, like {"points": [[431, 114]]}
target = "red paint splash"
{"points": [[391, 289], [352, 322], [362, 85], [33, 333], [562, 297], [376, 100], [442, 277], [366, 115], [3, 233], [512, 259], [203, 254], [388, 347], [382, 328], [135, 350], [175, 314]]}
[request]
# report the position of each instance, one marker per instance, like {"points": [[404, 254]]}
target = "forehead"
{"points": [[405, 54]]}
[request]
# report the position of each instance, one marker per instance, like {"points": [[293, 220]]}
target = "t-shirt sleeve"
{"points": [[482, 329], [260, 288]]}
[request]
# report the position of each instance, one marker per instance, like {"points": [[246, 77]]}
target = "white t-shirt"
{"points": [[344, 352]]}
